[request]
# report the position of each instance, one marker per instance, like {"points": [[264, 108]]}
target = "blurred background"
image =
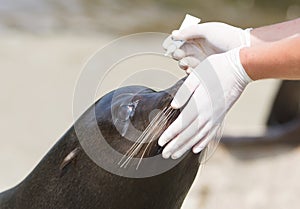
{"points": [[44, 45]]}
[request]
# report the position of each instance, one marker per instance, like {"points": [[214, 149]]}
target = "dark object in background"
{"points": [[286, 107], [283, 125]]}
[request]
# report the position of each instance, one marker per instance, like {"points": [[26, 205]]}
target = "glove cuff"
{"points": [[245, 37], [248, 37], [240, 71]]}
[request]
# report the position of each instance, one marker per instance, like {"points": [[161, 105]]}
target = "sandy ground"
{"points": [[38, 76]]}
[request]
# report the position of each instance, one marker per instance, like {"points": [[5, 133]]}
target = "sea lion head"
{"points": [[135, 115]]}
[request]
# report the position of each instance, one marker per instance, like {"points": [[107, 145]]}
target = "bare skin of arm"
{"points": [[274, 52], [278, 59], [275, 32]]}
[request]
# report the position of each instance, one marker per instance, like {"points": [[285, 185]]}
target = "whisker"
{"points": [[151, 132], [145, 136], [161, 123], [137, 142], [153, 137]]}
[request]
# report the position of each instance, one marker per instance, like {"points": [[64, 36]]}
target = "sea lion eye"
{"points": [[121, 113], [127, 111]]}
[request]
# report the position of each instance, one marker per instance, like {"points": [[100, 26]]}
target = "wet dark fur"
{"points": [[76, 182]]}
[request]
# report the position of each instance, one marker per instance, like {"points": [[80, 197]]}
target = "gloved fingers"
{"points": [[205, 49], [178, 54], [191, 32], [190, 49], [189, 71], [200, 136], [195, 48], [200, 110], [167, 42], [203, 143], [190, 112], [190, 55], [183, 65], [185, 91], [185, 118], [181, 138], [189, 62]]}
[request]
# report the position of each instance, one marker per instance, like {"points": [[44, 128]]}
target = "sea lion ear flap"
{"points": [[69, 158], [286, 106]]}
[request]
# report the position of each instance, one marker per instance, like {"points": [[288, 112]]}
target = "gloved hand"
{"points": [[206, 39], [209, 91]]}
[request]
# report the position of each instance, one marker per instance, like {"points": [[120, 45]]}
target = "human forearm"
{"points": [[280, 59], [275, 32]]}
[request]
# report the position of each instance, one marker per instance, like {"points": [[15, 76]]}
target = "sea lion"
{"points": [[67, 178]]}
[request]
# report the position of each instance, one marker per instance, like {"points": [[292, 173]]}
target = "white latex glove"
{"points": [[209, 91], [206, 39]]}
